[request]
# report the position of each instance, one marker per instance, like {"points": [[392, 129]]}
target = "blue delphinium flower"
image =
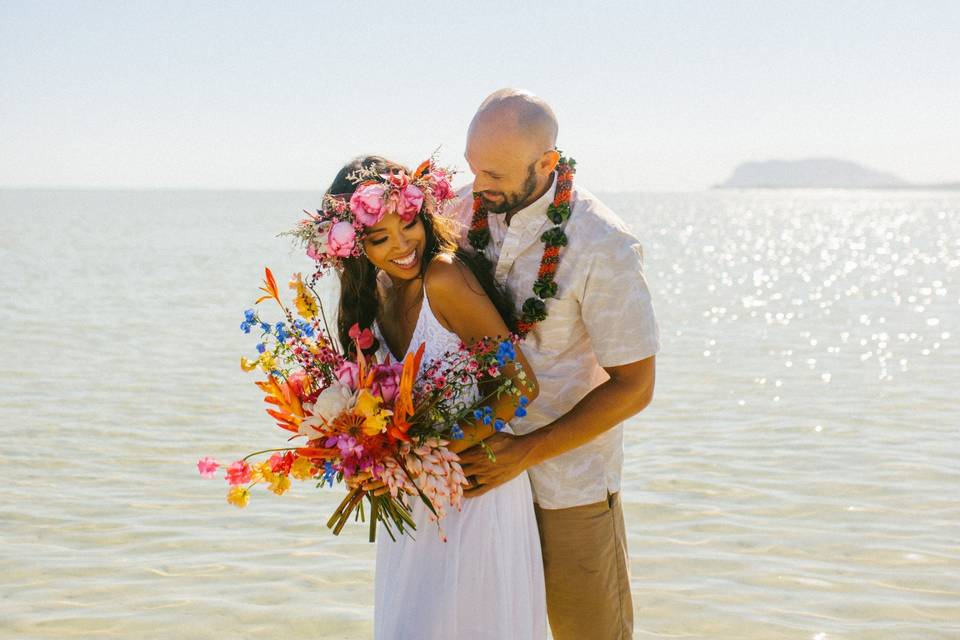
{"points": [[305, 327], [478, 414], [456, 432], [522, 409], [282, 334], [261, 347], [328, 472], [245, 327], [265, 327], [499, 425], [250, 316], [506, 353]]}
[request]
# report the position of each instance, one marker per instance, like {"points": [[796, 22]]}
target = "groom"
{"points": [[593, 355]]}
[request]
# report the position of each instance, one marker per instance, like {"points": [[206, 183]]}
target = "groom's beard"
{"points": [[512, 202]]}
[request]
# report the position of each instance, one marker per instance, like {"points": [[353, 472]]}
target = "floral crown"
{"points": [[337, 229]]}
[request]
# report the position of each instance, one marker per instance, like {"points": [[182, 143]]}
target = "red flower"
{"points": [[364, 339], [282, 464], [238, 473]]}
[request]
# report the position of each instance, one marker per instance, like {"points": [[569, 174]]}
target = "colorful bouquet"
{"points": [[390, 420]]}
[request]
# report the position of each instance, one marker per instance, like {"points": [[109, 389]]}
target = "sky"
{"points": [[667, 95]]}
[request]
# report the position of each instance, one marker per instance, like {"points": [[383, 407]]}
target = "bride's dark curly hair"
{"points": [[359, 299]]}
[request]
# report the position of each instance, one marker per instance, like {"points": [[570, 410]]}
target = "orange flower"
{"points": [[289, 411], [403, 403], [270, 289]]}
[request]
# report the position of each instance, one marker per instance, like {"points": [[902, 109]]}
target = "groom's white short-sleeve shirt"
{"points": [[602, 316]]}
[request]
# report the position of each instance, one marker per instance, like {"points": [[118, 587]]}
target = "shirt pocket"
{"points": [[561, 328]]}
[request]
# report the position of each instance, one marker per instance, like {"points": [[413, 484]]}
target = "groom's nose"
{"points": [[481, 184]]}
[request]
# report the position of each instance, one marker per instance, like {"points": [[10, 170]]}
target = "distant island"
{"points": [[818, 173]]}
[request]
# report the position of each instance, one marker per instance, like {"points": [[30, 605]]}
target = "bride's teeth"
{"points": [[407, 261]]}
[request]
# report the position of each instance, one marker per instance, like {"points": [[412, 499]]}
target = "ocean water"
{"points": [[796, 476]]}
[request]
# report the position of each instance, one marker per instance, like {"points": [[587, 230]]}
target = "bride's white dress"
{"points": [[486, 580]]}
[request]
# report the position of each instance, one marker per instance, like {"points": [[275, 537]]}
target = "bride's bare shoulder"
{"points": [[451, 287], [446, 276]]}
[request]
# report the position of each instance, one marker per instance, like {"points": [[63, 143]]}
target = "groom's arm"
{"points": [[616, 309], [628, 391]]}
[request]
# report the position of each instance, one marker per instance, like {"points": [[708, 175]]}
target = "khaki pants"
{"points": [[587, 571]]}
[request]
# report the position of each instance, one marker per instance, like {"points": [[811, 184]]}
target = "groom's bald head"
{"points": [[511, 149], [518, 114]]}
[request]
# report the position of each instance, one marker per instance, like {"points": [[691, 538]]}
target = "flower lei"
{"points": [[534, 309], [336, 231]]}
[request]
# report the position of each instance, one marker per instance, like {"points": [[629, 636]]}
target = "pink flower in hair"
{"points": [[319, 246], [366, 203], [411, 199], [342, 239], [441, 186]]}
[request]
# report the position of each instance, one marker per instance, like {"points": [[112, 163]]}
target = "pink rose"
{"points": [[347, 374], [441, 186], [342, 239], [366, 203], [386, 380], [411, 199]]}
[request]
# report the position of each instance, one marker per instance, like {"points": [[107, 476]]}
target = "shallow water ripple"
{"points": [[795, 477]]}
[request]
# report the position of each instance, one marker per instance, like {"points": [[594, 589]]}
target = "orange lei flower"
{"points": [[534, 309]]}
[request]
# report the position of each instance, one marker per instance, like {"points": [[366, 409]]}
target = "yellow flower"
{"points": [[267, 362], [248, 365], [301, 469], [259, 472], [280, 483], [306, 303], [238, 496], [376, 418]]}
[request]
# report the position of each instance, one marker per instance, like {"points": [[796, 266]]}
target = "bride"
{"points": [[484, 577]]}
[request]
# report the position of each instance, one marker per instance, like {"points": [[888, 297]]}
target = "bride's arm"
{"points": [[461, 306]]}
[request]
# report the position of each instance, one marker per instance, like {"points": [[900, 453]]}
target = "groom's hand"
{"points": [[513, 457]]}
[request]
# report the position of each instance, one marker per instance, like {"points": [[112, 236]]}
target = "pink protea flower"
{"points": [[238, 473], [207, 467]]}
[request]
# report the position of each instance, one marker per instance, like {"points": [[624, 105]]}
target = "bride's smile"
{"points": [[396, 247]]}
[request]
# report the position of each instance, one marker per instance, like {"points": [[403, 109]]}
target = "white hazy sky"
{"points": [[650, 95]]}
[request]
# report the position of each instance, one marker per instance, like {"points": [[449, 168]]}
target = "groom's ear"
{"points": [[549, 160]]}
